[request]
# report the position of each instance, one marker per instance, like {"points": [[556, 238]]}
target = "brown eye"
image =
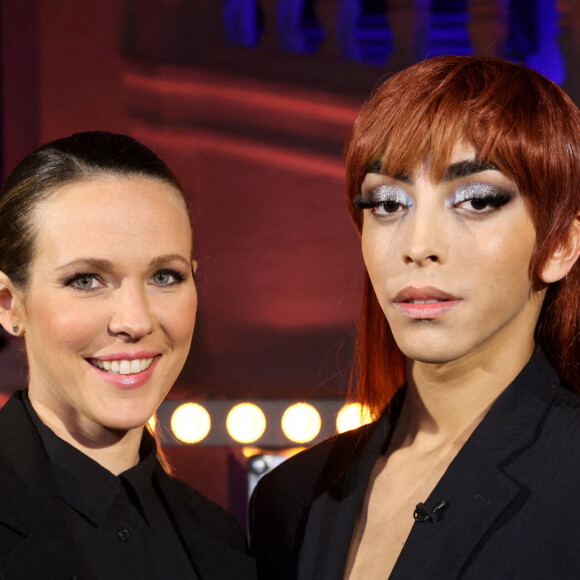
{"points": [[479, 204], [390, 206]]}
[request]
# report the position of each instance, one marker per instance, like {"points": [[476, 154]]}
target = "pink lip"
{"points": [[445, 302], [126, 381]]}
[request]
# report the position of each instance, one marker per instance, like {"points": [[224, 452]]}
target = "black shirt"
{"points": [[120, 523]]}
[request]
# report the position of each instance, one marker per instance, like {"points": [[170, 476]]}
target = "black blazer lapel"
{"points": [[213, 539], [333, 513], [45, 552], [35, 541], [479, 495], [481, 492]]}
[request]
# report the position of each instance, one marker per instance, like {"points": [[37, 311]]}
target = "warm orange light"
{"points": [[152, 423], [301, 423], [246, 423], [190, 423], [352, 416]]}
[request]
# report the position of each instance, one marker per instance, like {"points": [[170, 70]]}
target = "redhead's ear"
{"points": [[11, 311], [194, 266], [565, 256]]}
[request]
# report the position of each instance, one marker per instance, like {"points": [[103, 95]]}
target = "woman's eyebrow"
{"points": [[166, 259], [108, 266], [87, 264], [466, 168]]}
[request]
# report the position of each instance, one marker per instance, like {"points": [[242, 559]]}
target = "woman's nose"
{"points": [[424, 238], [132, 315]]}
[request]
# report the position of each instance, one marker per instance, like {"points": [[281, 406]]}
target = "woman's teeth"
{"points": [[427, 301], [123, 367]]}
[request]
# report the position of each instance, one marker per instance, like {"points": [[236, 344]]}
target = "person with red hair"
{"points": [[463, 181]]}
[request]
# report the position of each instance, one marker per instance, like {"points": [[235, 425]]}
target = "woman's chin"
{"points": [[126, 422]]}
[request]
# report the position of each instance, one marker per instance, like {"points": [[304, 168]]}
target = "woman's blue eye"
{"points": [[167, 278], [83, 282], [163, 278]]}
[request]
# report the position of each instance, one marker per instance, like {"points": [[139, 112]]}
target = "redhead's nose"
{"points": [[132, 315], [424, 238]]}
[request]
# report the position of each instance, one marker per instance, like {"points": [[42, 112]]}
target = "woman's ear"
{"points": [[565, 256], [11, 310]]}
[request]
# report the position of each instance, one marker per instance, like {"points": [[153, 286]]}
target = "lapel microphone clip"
{"points": [[423, 514]]}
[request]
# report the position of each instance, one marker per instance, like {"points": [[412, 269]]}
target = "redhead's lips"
{"points": [[423, 293], [425, 302]]}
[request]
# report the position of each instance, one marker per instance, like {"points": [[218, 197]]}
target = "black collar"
{"points": [[87, 486]]}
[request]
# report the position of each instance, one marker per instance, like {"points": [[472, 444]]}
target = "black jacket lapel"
{"points": [[34, 538], [214, 540], [481, 492]]}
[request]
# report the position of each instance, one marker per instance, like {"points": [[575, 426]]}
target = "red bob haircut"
{"points": [[513, 117]]}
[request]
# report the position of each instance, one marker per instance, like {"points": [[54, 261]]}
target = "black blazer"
{"points": [[513, 492], [37, 543]]}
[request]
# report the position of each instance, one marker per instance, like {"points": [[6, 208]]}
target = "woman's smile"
{"points": [[123, 366], [125, 373]]}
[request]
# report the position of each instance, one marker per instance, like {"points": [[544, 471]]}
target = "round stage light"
{"points": [[190, 423], [246, 423], [301, 423], [352, 416]]}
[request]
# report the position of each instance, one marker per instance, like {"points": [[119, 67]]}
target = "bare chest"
{"points": [[397, 484]]}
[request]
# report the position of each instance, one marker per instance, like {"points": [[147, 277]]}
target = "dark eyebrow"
{"points": [[454, 171], [466, 168], [377, 166]]}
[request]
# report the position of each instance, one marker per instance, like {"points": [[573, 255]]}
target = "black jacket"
{"points": [[37, 543], [513, 492]]}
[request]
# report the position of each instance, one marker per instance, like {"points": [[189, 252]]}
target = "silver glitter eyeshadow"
{"points": [[391, 193], [472, 191]]}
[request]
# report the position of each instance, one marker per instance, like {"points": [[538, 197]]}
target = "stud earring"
{"points": [[16, 329]]}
